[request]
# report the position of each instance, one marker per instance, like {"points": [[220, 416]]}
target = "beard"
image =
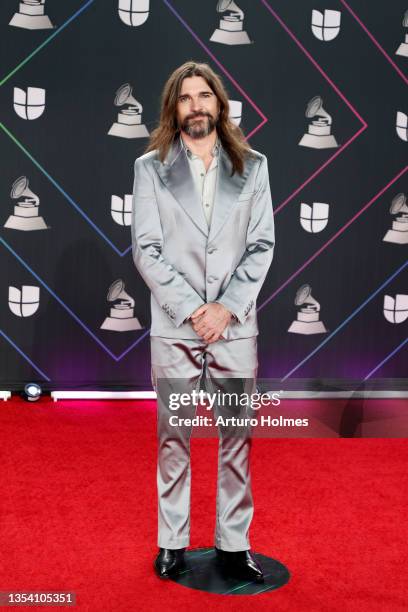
{"points": [[199, 125]]}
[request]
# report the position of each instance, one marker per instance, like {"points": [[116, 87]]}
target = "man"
{"points": [[203, 240]]}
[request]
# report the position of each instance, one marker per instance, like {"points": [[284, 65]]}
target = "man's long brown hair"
{"points": [[231, 135]]}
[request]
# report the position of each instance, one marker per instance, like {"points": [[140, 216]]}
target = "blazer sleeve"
{"points": [[245, 284], [174, 294]]}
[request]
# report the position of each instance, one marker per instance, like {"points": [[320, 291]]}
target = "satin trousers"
{"points": [[225, 367]]}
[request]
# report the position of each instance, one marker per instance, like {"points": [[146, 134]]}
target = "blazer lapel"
{"points": [[176, 175], [227, 190]]}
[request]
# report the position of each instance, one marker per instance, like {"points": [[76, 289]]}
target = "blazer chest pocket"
{"points": [[245, 197]]}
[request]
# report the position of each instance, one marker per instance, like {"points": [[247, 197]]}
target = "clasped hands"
{"points": [[210, 320]]}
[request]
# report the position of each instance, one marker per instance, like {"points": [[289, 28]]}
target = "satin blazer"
{"points": [[184, 262]]}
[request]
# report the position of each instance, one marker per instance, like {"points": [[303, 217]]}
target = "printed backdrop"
{"points": [[320, 88]]}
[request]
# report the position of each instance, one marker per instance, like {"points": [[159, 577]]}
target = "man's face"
{"points": [[197, 107]]}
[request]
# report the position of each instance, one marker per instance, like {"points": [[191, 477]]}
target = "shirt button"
{"points": [[210, 279], [207, 205], [202, 174]]}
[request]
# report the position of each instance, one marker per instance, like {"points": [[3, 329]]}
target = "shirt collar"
{"points": [[214, 152]]}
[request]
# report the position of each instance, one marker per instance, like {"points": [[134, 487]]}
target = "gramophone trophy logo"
{"points": [[326, 26], [121, 314], [133, 12], [129, 123], [231, 30], [31, 16], [307, 321], [319, 130], [396, 309], [399, 231], [25, 302], [314, 218], [403, 48], [26, 217]]}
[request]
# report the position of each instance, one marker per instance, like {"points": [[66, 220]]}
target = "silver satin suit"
{"points": [[186, 263]]}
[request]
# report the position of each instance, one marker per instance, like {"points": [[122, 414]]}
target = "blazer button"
{"points": [[211, 250], [210, 279]]}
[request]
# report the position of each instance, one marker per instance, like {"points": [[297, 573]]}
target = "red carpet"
{"points": [[79, 512]]}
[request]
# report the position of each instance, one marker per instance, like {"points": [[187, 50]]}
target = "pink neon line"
{"points": [[326, 163], [264, 118], [254, 131], [375, 41], [319, 68], [340, 231], [213, 57]]}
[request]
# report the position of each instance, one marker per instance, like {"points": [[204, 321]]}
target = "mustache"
{"points": [[198, 115]]}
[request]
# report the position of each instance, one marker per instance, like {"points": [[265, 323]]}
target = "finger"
{"points": [[209, 334], [196, 317], [201, 326], [199, 311], [213, 338], [201, 329], [198, 327], [205, 321]]}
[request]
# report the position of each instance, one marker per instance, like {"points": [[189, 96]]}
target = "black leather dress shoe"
{"points": [[241, 564], [169, 561]]}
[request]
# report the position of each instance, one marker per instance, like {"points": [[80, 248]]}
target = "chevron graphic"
{"points": [[25, 356], [71, 201], [332, 239], [387, 358], [71, 312], [75, 205], [375, 41], [345, 321], [340, 150], [263, 119]]}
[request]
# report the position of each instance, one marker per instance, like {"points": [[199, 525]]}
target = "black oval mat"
{"points": [[204, 573]]}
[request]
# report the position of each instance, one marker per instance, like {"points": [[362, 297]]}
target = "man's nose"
{"points": [[196, 105]]}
